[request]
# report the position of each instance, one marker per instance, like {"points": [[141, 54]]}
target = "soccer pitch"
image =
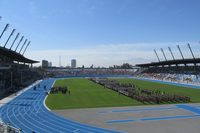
{"points": [[86, 94]]}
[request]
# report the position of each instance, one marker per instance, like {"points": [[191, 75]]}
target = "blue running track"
{"points": [[28, 113]]}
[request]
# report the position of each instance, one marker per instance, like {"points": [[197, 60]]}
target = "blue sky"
{"points": [[103, 32]]}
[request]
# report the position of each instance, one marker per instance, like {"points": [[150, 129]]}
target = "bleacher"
{"points": [[16, 70], [87, 72], [186, 70]]}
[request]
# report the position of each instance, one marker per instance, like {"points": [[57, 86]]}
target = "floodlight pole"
{"points": [[26, 47], [14, 40], [9, 37], [164, 54], [5, 28], [157, 55], [23, 46], [19, 43], [171, 53]]}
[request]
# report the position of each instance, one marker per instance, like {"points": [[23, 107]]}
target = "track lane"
{"points": [[28, 113]]}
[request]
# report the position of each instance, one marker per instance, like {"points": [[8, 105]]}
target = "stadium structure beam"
{"points": [[191, 50], [19, 43], [157, 55], [192, 56], [9, 37], [5, 28], [171, 53], [180, 52], [26, 47], [14, 40], [23, 46], [164, 54]]}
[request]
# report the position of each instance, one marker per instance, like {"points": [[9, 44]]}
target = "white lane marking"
{"points": [[44, 102]]}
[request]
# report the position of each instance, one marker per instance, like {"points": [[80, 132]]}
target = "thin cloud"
{"points": [[109, 55]]}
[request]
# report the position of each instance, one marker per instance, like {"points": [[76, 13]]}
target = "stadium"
{"points": [[162, 96]]}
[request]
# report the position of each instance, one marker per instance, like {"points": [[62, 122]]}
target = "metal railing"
{"points": [[7, 128]]}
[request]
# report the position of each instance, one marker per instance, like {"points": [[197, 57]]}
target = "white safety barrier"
{"points": [[7, 128]]}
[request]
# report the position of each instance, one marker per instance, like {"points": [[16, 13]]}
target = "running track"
{"points": [[27, 112]]}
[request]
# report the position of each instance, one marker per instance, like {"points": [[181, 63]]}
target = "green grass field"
{"points": [[194, 94], [86, 94]]}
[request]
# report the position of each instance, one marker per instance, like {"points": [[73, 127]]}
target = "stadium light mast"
{"points": [[14, 40], [23, 46], [26, 47], [5, 28], [9, 37], [157, 55], [19, 43], [191, 50], [171, 53], [164, 54], [180, 52]]}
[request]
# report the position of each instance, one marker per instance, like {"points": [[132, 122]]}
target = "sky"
{"points": [[103, 32]]}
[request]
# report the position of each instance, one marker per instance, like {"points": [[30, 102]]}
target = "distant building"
{"points": [[49, 64], [73, 63], [45, 63]]}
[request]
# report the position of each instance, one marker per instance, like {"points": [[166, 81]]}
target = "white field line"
{"points": [[44, 102]]}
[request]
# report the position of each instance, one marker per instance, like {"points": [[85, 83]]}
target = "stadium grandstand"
{"points": [[16, 70], [177, 70], [88, 72], [103, 84]]}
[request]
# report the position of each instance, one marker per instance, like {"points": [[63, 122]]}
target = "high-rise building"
{"points": [[44, 64], [49, 64], [73, 63]]}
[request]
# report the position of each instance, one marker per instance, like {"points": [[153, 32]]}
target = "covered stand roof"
{"points": [[171, 62], [15, 56]]}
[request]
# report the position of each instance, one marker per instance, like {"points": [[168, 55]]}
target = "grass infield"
{"points": [[86, 94]]}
